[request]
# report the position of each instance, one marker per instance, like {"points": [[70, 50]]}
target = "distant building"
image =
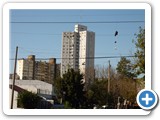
{"points": [[11, 76], [78, 52], [70, 51], [25, 68], [45, 71], [30, 69], [58, 70]]}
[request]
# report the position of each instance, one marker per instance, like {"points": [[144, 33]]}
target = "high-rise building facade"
{"points": [[29, 69], [70, 51], [25, 68], [45, 71], [78, 51]]}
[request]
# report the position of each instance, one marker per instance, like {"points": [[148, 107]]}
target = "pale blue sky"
{"points": [[44, 39]]}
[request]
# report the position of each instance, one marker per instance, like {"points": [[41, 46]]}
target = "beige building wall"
{"points": [[29, 69], [86, 52], [25, 69]]}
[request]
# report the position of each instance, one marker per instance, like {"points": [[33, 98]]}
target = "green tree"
{"points": [[124, 68], [140, 53], [28, 100], [70, 87], [97, 93]]}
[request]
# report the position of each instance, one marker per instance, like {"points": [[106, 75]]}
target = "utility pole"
{"points": [[15, 65], [109, 77]]}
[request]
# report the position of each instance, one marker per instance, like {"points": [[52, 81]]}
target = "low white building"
{"points": [[41, 88]]}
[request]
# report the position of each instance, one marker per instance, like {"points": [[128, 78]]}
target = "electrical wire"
{"points": [[61, 34], [76, 15], [102, 57], [63, 22]]}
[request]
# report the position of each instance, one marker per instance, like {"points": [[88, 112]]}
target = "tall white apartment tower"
{"points": [[78, 52]]}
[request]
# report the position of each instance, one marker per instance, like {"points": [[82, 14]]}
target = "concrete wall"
{"points": [[14, 99], [35, 86]]}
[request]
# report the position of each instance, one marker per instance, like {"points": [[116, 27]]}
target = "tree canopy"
{"points": [[28, 100], [125, 68], [70, 88], [140, 53]]}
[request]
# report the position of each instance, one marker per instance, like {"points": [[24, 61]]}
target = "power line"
{"points": [[45, 51], [75, 15], [103, 57], [61, 34], [35, 33], [63, 22]]}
